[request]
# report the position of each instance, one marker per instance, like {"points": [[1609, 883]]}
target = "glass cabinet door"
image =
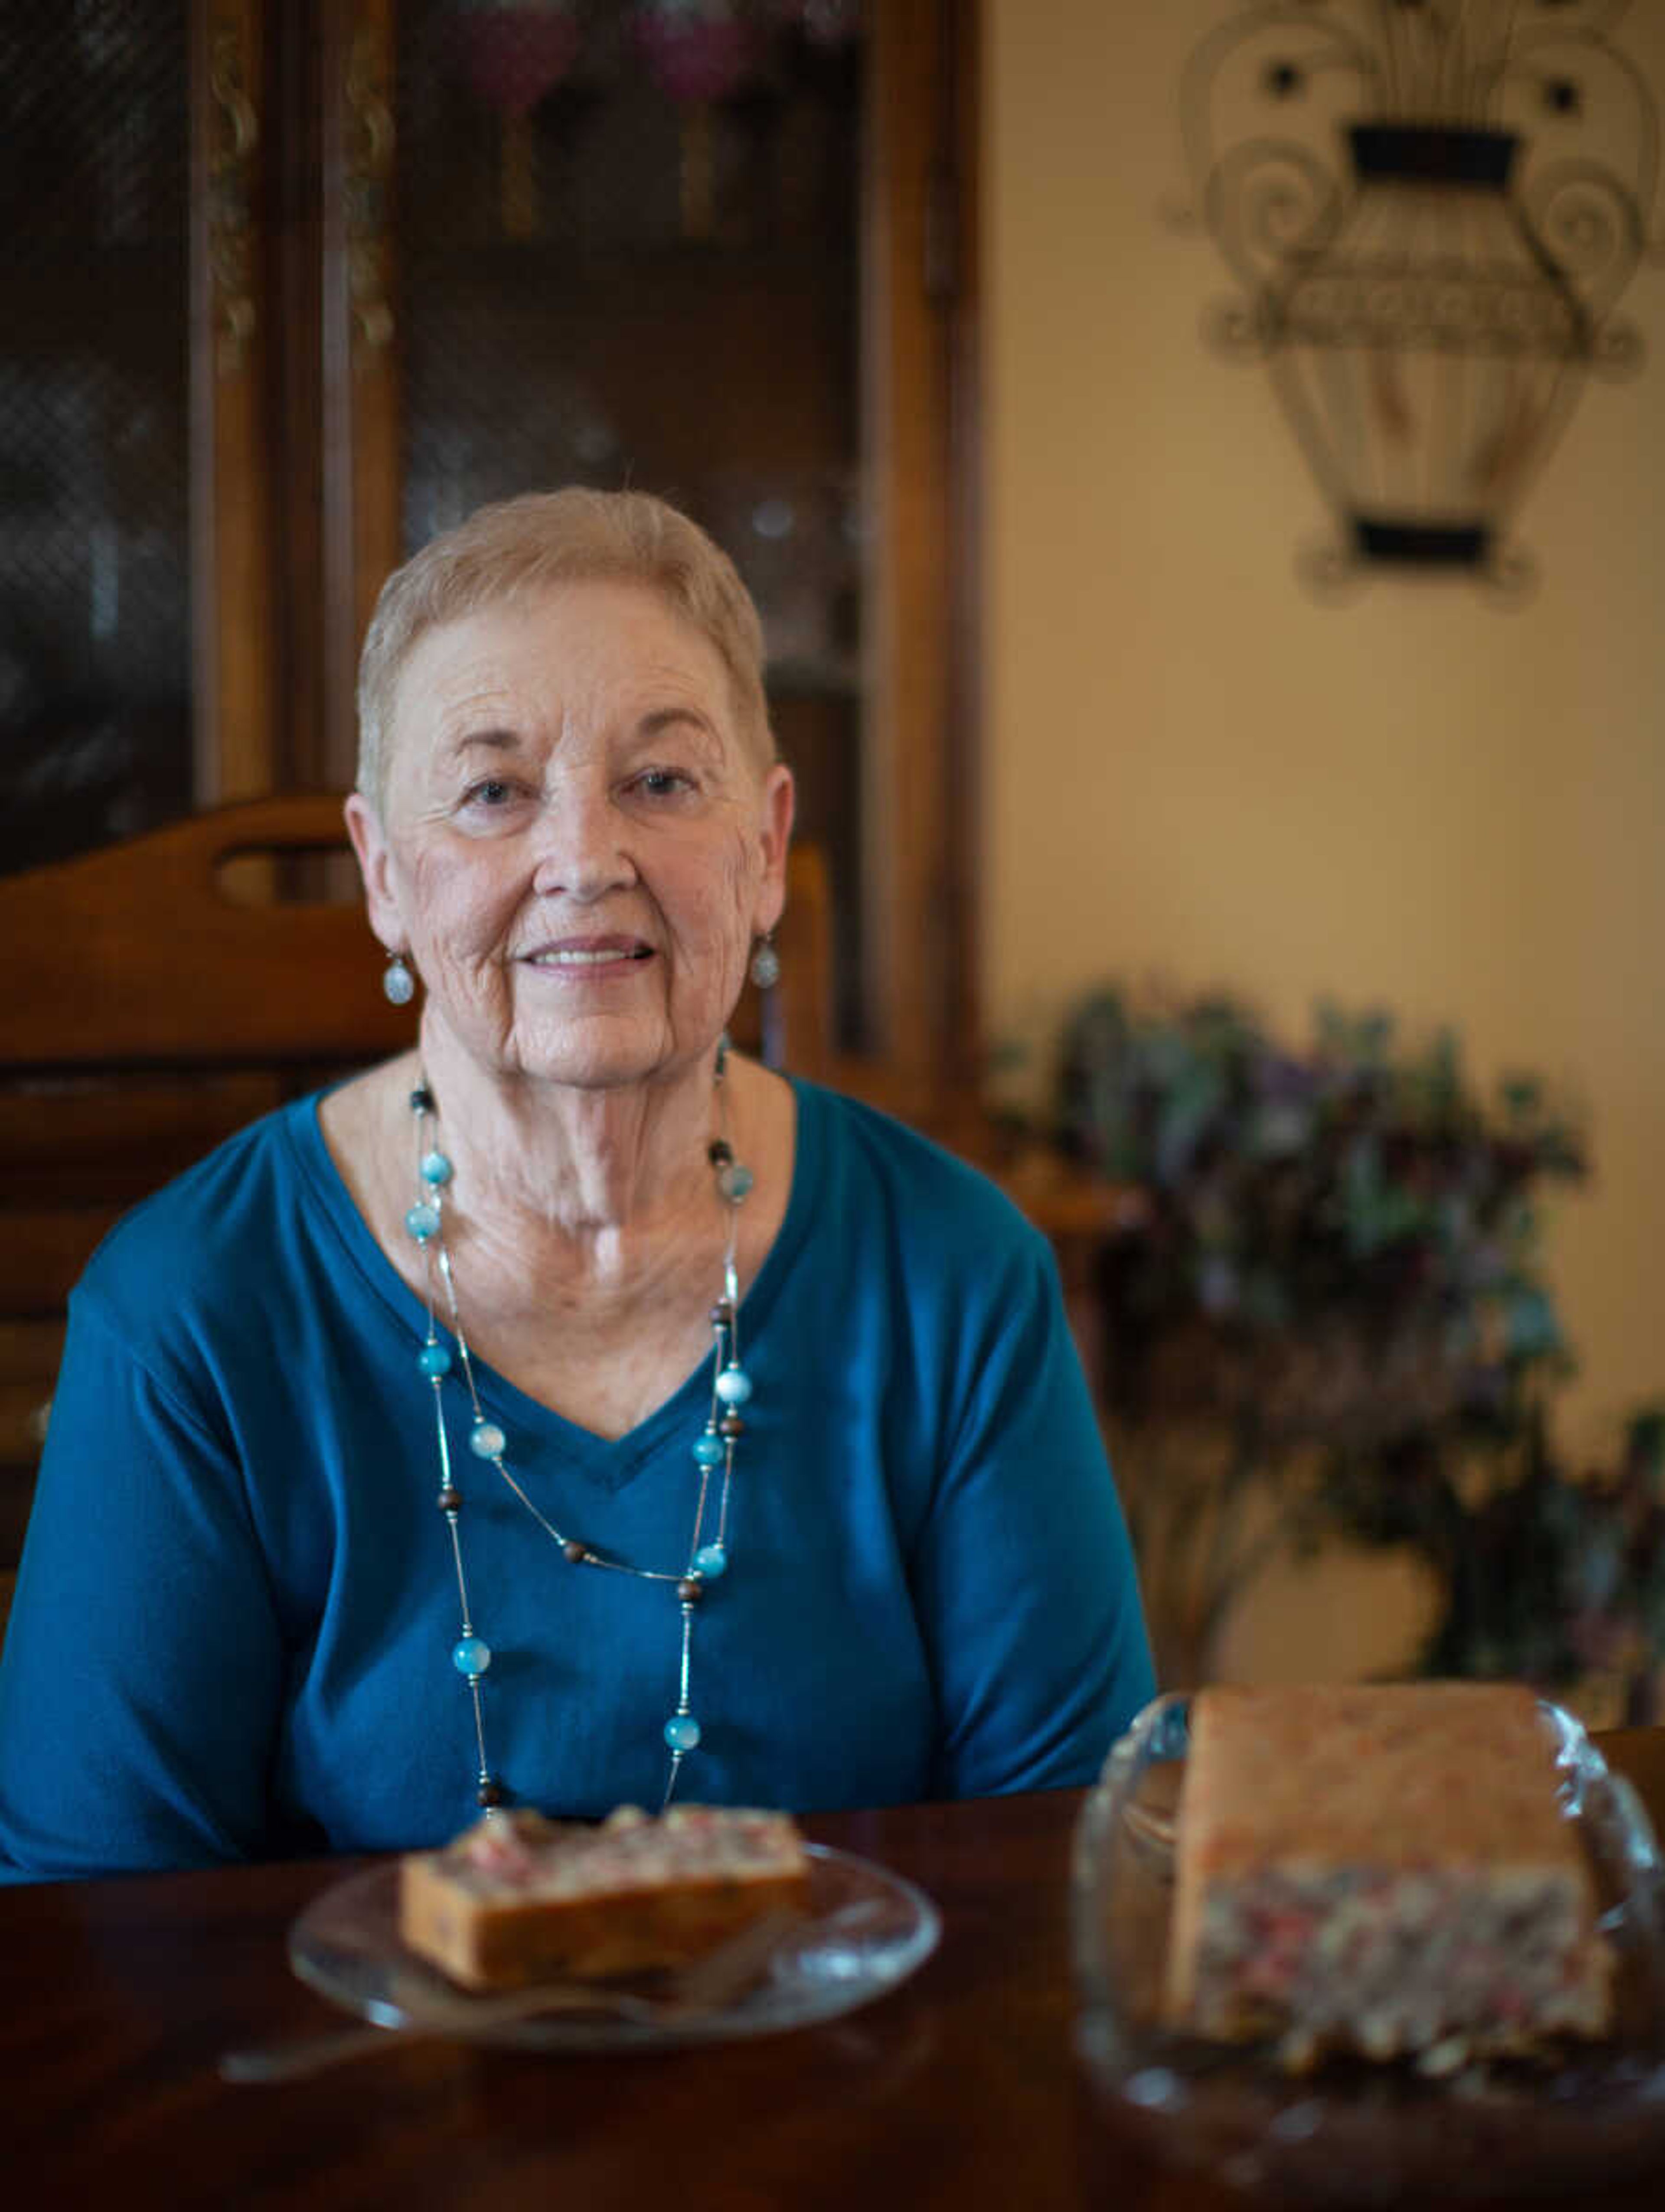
{"points": [[640, 246], [95, 715], [136, 555]]}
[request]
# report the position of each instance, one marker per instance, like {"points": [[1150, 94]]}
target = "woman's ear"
{"points": [[779, 803], [369, 844]]}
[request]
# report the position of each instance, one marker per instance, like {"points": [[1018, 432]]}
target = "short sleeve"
{"points": [[141, 1682]]}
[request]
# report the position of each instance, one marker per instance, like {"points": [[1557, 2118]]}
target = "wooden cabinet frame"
{"points": [[234, 555], [920, 409], [297, 429]]}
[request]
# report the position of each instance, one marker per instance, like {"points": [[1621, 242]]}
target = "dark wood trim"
{"points": [[362, 458], [336, 457], [296, 202], [962, 1045], [236, 702], [919, 308]]}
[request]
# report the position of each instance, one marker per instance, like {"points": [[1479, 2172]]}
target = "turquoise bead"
{"points": [[734, 1386], [709, 1560], [434, 1360], [682, 1731], [708, 1449], [486, 1440], [436, 1168], [423, 1221], [471, 1655]]}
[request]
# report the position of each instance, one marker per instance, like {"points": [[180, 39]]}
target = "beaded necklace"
{"points": [[713, 1448]]}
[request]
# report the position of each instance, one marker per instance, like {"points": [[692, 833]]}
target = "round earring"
{"points": [[397, 981], [766, 963]]}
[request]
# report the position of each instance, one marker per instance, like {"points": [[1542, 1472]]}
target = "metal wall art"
{"points": [[1432, 208]]}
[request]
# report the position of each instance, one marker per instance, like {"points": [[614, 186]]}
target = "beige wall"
{"points": [[1196, 774]]}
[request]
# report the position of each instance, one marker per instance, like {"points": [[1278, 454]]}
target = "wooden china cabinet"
{"points": [[291, 285]]}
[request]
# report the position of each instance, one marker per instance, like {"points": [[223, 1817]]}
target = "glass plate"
{"points": [[1351, 2132], [867, 1929]]}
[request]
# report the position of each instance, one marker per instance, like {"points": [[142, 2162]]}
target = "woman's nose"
{"points": [[581, 852]]}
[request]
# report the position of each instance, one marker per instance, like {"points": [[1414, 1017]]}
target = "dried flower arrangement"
{"points": [[1327, 1317]]}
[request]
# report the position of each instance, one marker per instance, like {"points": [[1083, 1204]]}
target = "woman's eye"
{"points": [[491, 806], [662, 782]]}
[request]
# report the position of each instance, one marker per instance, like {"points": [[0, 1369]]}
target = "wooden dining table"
{"points": [[961, 2087]]}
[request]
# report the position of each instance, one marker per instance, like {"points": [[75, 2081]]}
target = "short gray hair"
{"points": [[517, 548]]}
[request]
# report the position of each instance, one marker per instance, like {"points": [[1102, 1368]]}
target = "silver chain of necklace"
{"points": [[713, 1449]]}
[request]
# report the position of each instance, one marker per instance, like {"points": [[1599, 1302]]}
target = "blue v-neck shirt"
{"points": [[234, 1617]]}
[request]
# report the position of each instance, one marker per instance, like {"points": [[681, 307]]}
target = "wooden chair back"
{"points": [[163, 992]]}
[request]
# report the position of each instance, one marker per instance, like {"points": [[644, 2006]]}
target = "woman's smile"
{"points": [[590, 958]]}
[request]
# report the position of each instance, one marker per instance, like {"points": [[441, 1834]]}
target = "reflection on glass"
{"points": [[95, 643]]}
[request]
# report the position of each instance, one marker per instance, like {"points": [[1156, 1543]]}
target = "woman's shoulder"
{"points": [[875, 1158], [214, 1220]]}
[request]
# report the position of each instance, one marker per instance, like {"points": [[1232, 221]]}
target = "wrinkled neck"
{"points": [[590, 1163]]}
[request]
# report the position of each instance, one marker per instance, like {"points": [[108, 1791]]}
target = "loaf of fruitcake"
{"points": [[1383, 1870], [518, 1899]]}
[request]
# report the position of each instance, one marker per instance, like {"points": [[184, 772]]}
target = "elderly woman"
{"points": [[570, 1412]]}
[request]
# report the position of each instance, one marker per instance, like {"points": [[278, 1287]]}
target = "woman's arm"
{"points": [[1023, 1576], [143, 1671]]}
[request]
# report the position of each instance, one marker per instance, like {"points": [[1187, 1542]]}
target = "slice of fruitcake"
{"points": [[518, 1899], [1383, 1870]]}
